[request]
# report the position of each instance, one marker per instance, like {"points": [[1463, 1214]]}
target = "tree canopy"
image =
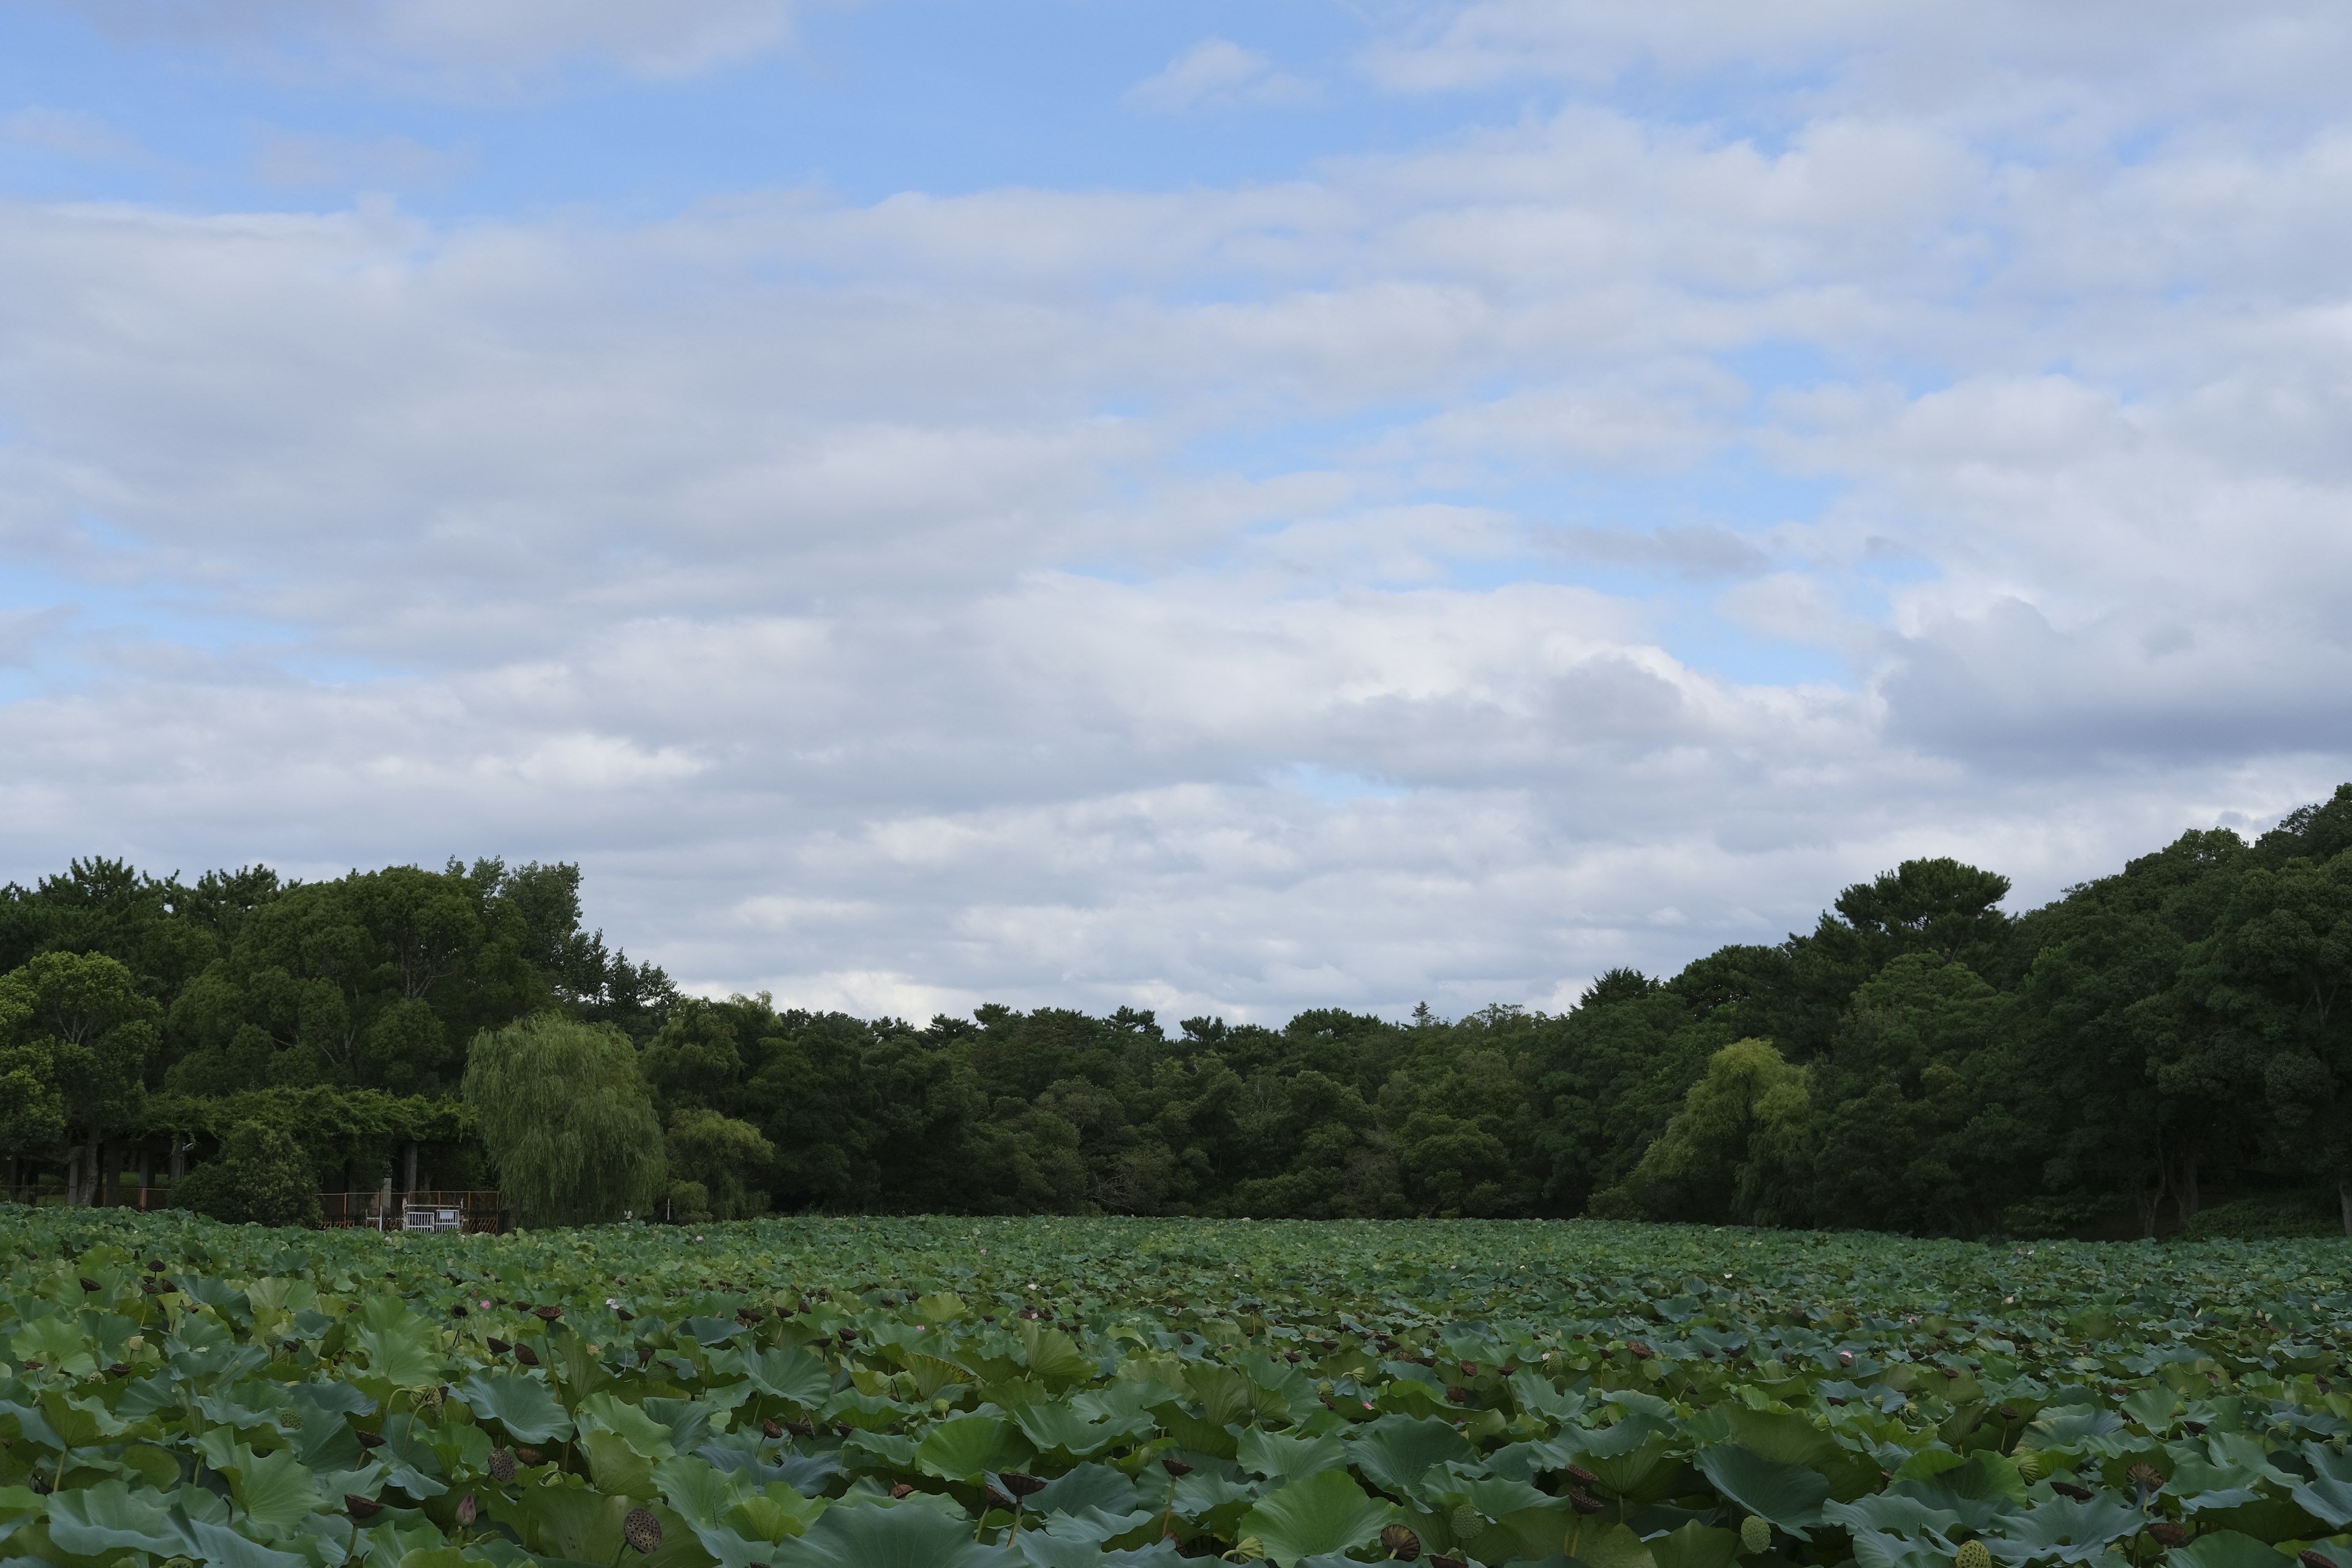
{"points": [[1922, 1059]]}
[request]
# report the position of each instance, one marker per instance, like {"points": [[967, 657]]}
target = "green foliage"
{"points": [[567, 1117], [716, 1156], [262, 1177], [1160, 1391]]}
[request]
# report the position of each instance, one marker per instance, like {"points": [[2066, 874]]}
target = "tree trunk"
{"points": [[179, 1161], [2344, 1200], [77, 1184], [2147, 1197], [2184, 1192], [146, 1170], [408, 1167], [110, 1173]]}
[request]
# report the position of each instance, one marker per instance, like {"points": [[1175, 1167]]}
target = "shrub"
{"points": [[2274, 1215], [262, 1177]]}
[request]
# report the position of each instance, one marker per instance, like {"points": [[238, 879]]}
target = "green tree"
{"points": [[713, 1160], [261, 1177], [79, 1031], [568, 1120], [1737, 1151]]}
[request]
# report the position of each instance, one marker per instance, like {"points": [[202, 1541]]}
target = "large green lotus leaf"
{"points": [[1054, 1356], [1058, 1428], [618, 1467], [888, 1537], [969, 1446], [218, 1546], [79, 1422], [110, 1518], [697, 1488], [1614, 1546], [1789, 1496], [1085, 1487], [632, 1424], [1897, 1513], [56, 1343], [1226, 1397], [2326, 1498], [1288, 1458], [776, 1512], [402, 1349], [2226, 1549], [1783, 1437], [407, 1458], [793, 1374], [517, 1401], [1096, 1525], [2064, 1531], [934, 1376], [1394, 1452], [944, 1307], [1538, 1395], [276, 1491], [1324, 1512]]}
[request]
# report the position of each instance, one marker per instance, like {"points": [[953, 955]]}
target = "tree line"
{"points": [[1921, 1060]]}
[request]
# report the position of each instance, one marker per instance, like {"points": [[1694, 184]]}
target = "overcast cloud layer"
{"points": [[1632, 470]]}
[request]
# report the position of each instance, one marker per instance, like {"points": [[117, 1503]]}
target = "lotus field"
{"points": [[863, 1393]]}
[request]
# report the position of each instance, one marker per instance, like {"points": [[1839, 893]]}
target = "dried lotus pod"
{"points": [[2167, 1534], [89, 1285], [502, 1464], [498, 1346], [1401, 1543], [1584, 1501], [1022, 1486], [361, 1508], [2069, 1489], [2310, 1559], [525, 1354], [2145, 1476], [1581, 1476], [529, 1457], [642, 1531], [369, 1439], [772, 1430], [1176, 1468], [547, 1314]]}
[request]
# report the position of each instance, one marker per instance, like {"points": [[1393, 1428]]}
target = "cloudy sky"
{"points": [[1216, 507]]}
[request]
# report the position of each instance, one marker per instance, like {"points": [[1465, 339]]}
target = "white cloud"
{"points": [[1217, 71], [991, 597]]}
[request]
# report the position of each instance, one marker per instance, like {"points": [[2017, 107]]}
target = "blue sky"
{"points": [[1214, 507]]}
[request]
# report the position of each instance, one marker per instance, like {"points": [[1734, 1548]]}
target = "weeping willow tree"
{"points": [[568, 1120]]}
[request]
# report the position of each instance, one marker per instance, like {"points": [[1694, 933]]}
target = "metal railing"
{"points": [[418, 1211]]}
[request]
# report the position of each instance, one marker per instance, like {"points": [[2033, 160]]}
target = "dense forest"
{"points": [[1919, 1061]]}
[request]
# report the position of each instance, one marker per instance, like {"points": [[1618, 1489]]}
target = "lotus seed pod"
{"points": [[1467, 1523], [362, 1508], [1022, 1486], [1401, 1543], [2029, 1463], [2167, 1534], [1972, 1554], [642, 1531], [1755, 1535], [2145, 1478], [502, 1464], [2310, 1559], [1581, 1476]]}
